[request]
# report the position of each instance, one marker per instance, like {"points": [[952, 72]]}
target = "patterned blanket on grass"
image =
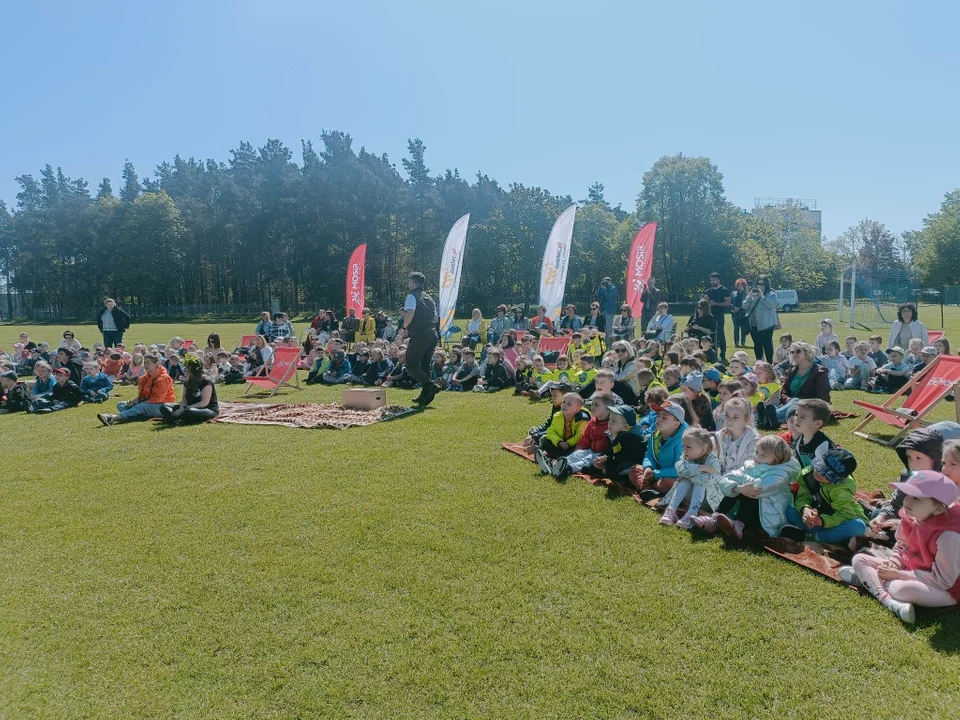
{"points": [[822, 559], [306, 415]]}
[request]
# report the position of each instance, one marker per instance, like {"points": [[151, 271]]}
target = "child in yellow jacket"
{"points": [[565, 428]]}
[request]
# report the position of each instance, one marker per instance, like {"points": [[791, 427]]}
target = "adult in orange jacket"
{"points": [[153, 390]]}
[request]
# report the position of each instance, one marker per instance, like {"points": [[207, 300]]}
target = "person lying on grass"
{"points": [[657, 474], [627, 447], [924, 569]]}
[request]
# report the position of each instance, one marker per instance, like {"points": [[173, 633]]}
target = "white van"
{"points": [[787, 300]]}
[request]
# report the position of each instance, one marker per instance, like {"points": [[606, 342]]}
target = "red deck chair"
{"points": [[552, 348], [284, 367], [927, 388], [935, 335], [244, 342], [188, 345]]}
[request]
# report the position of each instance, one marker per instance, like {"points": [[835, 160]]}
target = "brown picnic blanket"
{"points": [[306, 415], [822, 559]]}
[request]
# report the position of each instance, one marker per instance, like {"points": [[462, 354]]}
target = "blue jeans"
{"points": [[785, 408], [838, 534], [139, 411], [858, 381], [112, 337]]}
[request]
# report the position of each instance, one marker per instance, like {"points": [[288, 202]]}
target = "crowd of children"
{"points": [[663, 418]]}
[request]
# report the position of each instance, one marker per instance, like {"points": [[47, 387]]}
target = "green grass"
{"points": [[409, 569]]}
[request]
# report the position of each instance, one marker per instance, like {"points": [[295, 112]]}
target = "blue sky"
{"points": [[853, 104]]}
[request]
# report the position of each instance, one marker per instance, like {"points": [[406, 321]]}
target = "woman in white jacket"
{"points": [[907, 327]]}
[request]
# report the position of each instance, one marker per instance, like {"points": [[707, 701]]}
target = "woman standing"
{"points": [[907, 327], [737, 297], [760, 311], [199, 402], [702, 323]]}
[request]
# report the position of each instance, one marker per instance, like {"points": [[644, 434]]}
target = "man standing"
{"points": [[650, 297], [609, 302], [112, 322], [719, 298], [421, 322]]}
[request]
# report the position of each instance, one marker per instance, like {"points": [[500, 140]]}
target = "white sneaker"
{"points": [[902, 610], [848, 576], [543, 461]]}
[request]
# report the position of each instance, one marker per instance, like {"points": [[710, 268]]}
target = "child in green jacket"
{"points": [[824, 508]]}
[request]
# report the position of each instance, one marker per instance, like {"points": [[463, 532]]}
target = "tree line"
{"points": [[260, 226]]}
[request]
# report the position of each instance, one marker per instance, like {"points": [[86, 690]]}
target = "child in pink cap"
{"points": [[925, 567]]}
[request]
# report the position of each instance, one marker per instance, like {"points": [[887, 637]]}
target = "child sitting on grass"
{"points": [[925, 567], [593, 443], [836, 364], [692, 388], [757, 497], [920, 450], [737, 368], [711, 383], [586, 372], [878, 356], [535, 434], [781, 353], [827, 335], [727, 390], [894, 375], [467, 374], [769, 391], [951, 460], [697, 467], [626, 448], [913, 352], [655, 397], [564, 431], [738, 438], [14, 395], [66, 394], [562, 372], [671, 378], [96, 385], [656, 475], [495, 375], [824, 509], [706, 346], [811, 442], [862, 368], [850, 341], [523, 377]]}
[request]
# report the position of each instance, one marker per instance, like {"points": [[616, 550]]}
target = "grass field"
{"points": [[409, 569]]}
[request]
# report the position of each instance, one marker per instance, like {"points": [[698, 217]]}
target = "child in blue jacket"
{"points": [[659, 470], [96, 385]]}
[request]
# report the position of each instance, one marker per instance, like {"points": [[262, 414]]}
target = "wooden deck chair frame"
{"points": [[561, 349], [266, 381], [906, 421]]}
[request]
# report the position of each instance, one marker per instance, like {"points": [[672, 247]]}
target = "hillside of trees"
{"points": [[260, 226]]}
